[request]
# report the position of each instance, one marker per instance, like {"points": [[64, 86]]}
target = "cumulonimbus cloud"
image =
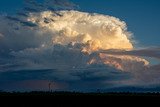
{"points": [[73, 31], [75, 45], [94, 30]]}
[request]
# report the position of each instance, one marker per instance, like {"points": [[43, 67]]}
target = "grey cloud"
{"points": [[29, 24], [74, 82], [52, 5], [148, 52]]}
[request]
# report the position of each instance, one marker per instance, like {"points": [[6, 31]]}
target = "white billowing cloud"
{"points": [[75, 32], [95, 31], [63, 39]]}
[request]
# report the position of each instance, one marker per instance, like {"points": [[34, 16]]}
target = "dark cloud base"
{"points": [[32, 80]]}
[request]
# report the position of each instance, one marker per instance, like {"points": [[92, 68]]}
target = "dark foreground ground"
{"points": [[75, 99]]}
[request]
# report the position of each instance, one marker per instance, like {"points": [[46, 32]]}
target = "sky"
{"points": [[141, 16], [79, 45]]}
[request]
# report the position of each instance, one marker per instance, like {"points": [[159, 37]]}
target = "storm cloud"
{"points": [[53, 41]]}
